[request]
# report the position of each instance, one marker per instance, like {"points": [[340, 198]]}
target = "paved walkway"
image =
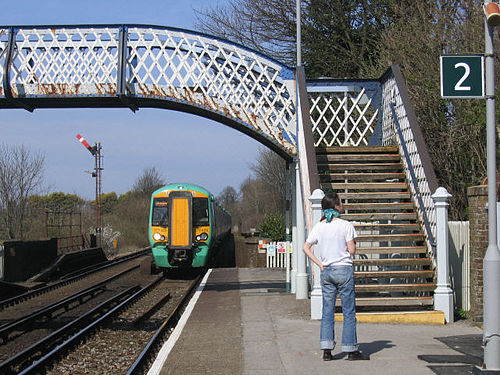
{"points": [[245, 323]]}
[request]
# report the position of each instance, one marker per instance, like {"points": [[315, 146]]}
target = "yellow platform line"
{"points": [[405, 317]]}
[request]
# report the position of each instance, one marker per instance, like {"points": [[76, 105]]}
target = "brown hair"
{"points": [[330, 200]]}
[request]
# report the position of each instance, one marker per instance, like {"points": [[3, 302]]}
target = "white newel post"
{"points": [[316, 295], [443, 295]]}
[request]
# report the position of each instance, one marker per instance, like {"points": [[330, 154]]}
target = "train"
{"points": [[186, 224]]}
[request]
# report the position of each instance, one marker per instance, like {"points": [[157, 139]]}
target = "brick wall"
{"points": [[478, 219]]}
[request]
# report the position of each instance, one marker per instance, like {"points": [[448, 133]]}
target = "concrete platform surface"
{"points": [[245, 323]]}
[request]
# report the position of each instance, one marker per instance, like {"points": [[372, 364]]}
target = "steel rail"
{"points": [[46, 288], [172, 320], [152, 309], [54, 353], [7, 366], [62, 303], [107, 264], [18, 324]]}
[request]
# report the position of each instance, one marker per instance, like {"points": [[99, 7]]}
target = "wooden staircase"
{"points": [[392, 268]]}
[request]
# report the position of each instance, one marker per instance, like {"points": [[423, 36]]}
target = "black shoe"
{"points": [[327, 355], [357, 356]]}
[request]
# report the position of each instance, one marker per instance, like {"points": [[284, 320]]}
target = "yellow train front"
{"points": [[185, 224]]}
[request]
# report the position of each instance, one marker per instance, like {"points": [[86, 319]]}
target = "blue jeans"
{"points": [[338, 279]]}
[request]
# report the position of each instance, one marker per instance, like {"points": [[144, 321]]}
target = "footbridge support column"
{"points": [[316, 294], [302, 291]]}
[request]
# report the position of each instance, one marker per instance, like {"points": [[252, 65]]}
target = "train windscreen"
{"points": [[160, 212], [200, 211]]}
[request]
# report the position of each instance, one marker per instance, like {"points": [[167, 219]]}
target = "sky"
{"points": [[181, 146]]}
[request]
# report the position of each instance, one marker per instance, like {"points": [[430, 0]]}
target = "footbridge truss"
{"points": [[149, 66]]}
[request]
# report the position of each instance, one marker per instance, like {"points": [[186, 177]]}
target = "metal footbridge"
{"points": [[138, 66]]}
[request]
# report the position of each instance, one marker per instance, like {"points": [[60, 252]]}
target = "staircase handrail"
{"points": [[308, 164], [400, 126]]}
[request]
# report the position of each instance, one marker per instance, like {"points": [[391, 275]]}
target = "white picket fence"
{"points": [[460, 263], [276, 254]]}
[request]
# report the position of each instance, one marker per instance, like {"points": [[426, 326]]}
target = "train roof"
{"points": [[183, 186]]}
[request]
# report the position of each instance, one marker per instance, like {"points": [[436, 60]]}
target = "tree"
{"points": [[56, 202], [338, 36], [453, 130], [230, 200], [148, 181], [273, 227], [270, 169], [21, 174], [108, 202], [267, 26]]}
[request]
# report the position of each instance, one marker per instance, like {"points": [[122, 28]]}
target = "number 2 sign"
{"points": [[462, 76]]}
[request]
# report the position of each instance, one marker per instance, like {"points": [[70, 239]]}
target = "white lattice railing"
{"points": [[399, 127], [187, 69], [343, 113]]}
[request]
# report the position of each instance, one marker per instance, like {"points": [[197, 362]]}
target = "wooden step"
{"points": [[390, 237], [345, 158], [388, 195], [393, 274], [362, 176], [392, 301], [360, 167], [387, 227], [392, 250], [392, 262], [399, 186], [360, 149], [376, 288], [380, 216], [378, 206]]}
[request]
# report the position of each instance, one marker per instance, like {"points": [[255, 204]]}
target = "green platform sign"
{"points": [[462, 76]]}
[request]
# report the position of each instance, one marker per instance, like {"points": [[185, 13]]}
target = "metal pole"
{"points": [[98, 192], [299, 36], [295, 244], [287, 225], [491, 261]]}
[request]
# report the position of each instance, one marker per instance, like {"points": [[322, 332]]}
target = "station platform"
{"points": [[242, 321]]}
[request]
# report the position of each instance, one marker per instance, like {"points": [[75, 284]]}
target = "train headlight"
{"points": [[202, 237], [157, 236]]}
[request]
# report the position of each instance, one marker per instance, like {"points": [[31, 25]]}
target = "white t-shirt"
{"points": [[331, 241]]}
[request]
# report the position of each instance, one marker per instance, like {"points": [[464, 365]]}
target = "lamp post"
{"points": [[491, 261]]}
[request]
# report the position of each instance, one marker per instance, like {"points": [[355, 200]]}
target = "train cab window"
{"points": [[200, 211], [160, 212]]}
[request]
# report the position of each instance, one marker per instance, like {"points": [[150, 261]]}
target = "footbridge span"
{"points": [[357, 137]]}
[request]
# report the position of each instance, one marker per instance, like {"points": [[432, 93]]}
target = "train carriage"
{"points": [[185, 224]]}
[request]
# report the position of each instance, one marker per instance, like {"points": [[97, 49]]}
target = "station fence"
{"points": [[276, 254]]}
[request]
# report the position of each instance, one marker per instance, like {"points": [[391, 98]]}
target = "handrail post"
{"points": [[316, 294], [443, 294]]}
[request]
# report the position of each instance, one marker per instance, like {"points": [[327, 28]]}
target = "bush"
{"points": [[273, 227]]}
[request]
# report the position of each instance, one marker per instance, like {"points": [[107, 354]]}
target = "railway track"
{"points": [[69, 279], [108, 338]]}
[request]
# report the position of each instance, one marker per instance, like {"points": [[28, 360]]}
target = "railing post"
{"points": [[443, 295], [316, 295]]}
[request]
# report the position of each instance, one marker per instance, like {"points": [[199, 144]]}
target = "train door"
{"points": [[180, 221]]}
